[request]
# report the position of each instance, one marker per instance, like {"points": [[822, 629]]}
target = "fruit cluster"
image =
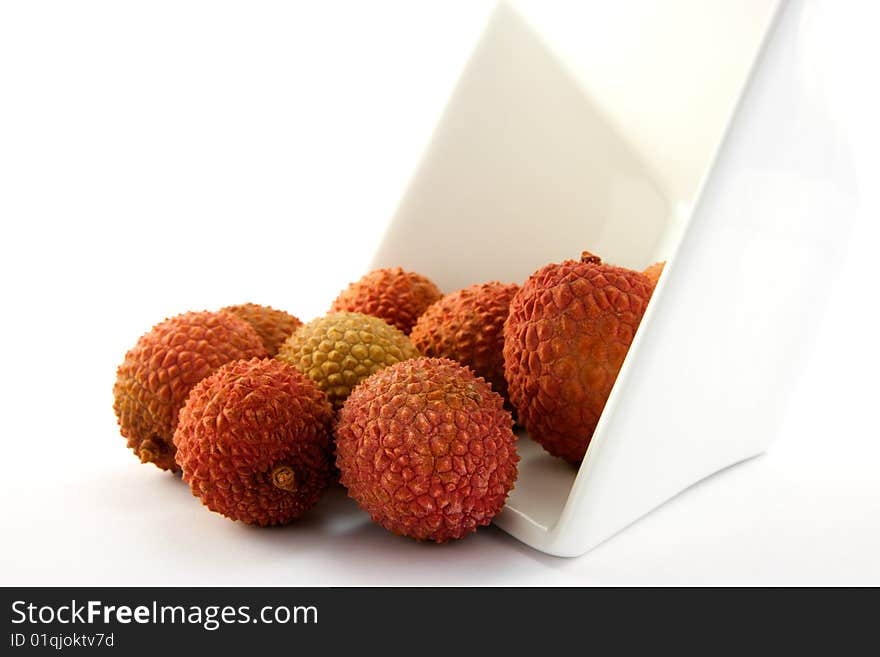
{"points": [[401, 394]]}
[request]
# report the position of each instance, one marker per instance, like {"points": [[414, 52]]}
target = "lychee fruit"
{"points": [[565, 339], [254, 442], [157, 374], [427, 449], [468, 326], [340, 350], [273, 326], [653, 272], [395, 295]]}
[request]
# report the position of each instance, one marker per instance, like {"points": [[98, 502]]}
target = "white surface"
{"points": [[535, 152], [186, 155]]}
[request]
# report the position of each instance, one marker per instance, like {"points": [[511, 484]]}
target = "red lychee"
{"points": [[427, 449]]}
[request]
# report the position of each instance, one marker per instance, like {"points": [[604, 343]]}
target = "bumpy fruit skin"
{"points": [[653, 272], [397, 296], [565, 339], [254, 442], [340, 350], [273, 326], [468, 326], [427, 449], [157, 374]]}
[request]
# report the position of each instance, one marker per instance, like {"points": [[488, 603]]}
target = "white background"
{"points": [[166, 156]]}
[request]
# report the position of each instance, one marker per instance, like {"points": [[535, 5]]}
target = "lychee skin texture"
{"points": [[157, 374], [340, 350], [273, 326], [653, 272], [427, 449], [254, 442], [468, 326], [397, 296], [565, 339]]}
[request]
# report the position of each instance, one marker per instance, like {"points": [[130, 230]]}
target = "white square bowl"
{"points": [[682, 131]]}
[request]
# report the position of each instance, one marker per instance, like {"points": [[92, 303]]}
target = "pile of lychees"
{"points": [[403, 395]]}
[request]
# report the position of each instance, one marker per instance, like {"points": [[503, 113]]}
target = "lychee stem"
{"points": [[586, 256], [284, 478]]}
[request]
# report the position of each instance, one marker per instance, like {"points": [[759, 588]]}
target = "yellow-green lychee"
{"points": [[340, 350]]}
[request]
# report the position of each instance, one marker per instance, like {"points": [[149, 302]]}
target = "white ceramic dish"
{"points": [[659, 131]]}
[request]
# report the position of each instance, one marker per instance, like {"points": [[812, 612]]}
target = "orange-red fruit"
{"points": [[427, 449], [565, 339], [254, 442], [395, 295], [273, 326], [468, 326], [653, 272], [157, 374]]}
